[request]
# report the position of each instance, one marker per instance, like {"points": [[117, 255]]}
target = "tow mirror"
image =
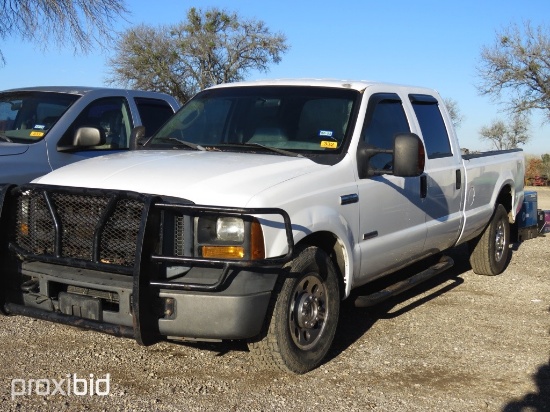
{"points": [[408, 155]]}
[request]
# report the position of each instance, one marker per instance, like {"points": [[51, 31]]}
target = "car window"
{"points": [[305, 120], [385, 119], [432, 126], [111, 115], [153, 113], [27, 116]]}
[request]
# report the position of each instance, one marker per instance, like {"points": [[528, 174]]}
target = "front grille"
{"points": [[179, 231], [94, 228]]}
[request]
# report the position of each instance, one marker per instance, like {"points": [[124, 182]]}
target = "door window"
{"points": [[111, 115], [384, 120], [153, 113], [434, 132]]}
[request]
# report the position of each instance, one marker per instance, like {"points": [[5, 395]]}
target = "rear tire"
{"points": [[490, 252], [303, 315]]}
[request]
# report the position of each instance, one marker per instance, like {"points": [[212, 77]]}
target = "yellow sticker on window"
{"points": [[328, 144], [37, 134]]}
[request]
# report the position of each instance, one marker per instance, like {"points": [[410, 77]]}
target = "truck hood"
{"points": [[10, 149], [220, 178]]}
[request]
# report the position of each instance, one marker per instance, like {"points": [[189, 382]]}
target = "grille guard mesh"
{"points": [[105, 229]]}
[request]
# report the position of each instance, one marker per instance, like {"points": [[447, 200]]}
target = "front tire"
{"points": [[490, 252], [304, 315]]}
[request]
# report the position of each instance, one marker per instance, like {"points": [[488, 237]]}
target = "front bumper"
{"points": [[209, 299]]}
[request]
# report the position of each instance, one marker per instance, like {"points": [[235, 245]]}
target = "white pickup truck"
{"points": [[253, 213], [44, 128]]}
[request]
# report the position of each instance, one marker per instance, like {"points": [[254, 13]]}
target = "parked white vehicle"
{"points": [[253, 212], [44, 128]]}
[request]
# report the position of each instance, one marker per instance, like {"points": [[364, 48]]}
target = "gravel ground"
{"points": [[459, 342]]}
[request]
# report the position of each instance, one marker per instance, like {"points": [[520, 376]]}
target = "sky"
{"points": [[431, 43]]}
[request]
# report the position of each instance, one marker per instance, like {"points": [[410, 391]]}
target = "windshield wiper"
{"points": [[184, 143], [274, 149]]}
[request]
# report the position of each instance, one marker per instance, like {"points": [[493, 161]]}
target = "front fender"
{"points": [[317, 219]]}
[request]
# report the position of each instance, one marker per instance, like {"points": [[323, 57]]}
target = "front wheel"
{"points": [[490, 252], [304, 315]]}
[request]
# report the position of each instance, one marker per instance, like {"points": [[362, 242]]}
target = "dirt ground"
{"points": [[459, 342]]}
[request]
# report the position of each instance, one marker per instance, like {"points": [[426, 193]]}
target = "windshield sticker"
{"points": [[37, 134], [329, 144], [327, 133], [39, 126]]}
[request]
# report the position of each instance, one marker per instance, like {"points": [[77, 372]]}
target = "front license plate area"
{"points": [[80, 306]]}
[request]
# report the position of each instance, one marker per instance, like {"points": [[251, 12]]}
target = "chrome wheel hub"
{"points": [[500, 242]]}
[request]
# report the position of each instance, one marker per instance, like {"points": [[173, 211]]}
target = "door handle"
{"points": [[423, 186], [458, 179]]}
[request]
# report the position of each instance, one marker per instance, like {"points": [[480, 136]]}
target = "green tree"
{"points": [[208, 48], [519, 63], [507, 136], [80, 24]]}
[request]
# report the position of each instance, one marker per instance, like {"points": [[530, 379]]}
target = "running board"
{"points": [[374, 298]]}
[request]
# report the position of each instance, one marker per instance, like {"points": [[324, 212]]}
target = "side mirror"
{"points": [[408, 155], [136, 137], [85, 137], [89, 136]]}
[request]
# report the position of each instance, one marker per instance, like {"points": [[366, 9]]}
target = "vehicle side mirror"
{"points": [[408, 155], [85, 137], [137, 137], [89, 136]]}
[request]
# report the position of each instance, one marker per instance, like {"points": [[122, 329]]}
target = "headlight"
{"points": [[229, 237], [230, 229]]}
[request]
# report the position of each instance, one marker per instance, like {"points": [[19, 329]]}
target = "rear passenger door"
{"points": [[443, 175]]}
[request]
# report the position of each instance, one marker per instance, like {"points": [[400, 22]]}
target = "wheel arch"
{"points": [[336, 250], [504, 198]]}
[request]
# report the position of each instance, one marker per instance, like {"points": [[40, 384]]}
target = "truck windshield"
{"points": [[283, 120], [26, 117]]}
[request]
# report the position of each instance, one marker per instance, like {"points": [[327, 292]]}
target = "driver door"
{"points": [[392, 219]]}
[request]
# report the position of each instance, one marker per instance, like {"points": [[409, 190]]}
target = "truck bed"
{"points": [[485, 174]]}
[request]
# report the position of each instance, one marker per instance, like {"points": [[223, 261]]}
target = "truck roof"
{"points": [[79, 90], [359, 85]]}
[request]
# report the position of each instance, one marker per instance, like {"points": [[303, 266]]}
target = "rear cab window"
{"points": [[432, 126], [153, 113]]}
